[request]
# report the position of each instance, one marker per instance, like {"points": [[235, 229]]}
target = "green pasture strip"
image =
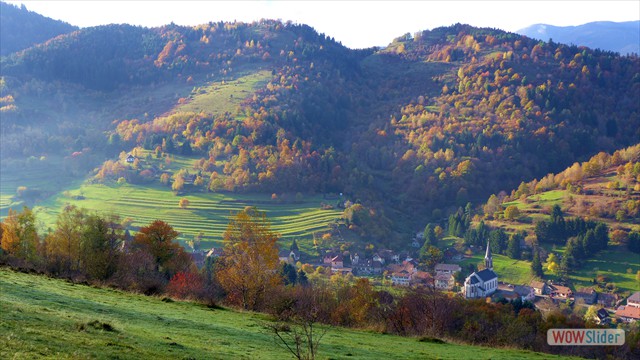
{"points": [[207, 213]]}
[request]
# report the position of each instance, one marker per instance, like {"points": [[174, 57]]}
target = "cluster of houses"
{"points": [[402, 270]]}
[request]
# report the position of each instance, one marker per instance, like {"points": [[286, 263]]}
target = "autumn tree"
{"points": [[63, 245], [19, 235], [158, 239], [250, 262], [183, 203], [511, 212], [185, 285]]}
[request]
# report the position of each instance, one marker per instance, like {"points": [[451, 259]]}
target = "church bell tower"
{"points": [[488, 259]]}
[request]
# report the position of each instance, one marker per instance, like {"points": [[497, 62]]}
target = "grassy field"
{"points": [[43, 318], [515, 272], [223, 96], [207, 212], [616, 264]]}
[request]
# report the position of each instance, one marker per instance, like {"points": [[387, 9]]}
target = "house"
{"points": [[628, 313], [401, 278], [602, 317], [421, 278], [355, 259], [587, 295], [539, 287], [634, 300], [608, 300], [337, 262], [367, 267], [444, 281], [482, 283], [447, 269], [508, 295], [526, 293], [130, 159], [560, 292]]}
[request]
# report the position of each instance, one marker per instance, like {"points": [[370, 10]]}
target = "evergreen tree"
{"points": [[513, 248], [294, 246], [430, 238], [288, 273], [589, 243], [601, 233], [536, 264], [498, 239]]}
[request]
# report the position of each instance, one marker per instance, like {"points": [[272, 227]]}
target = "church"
{"points": [[481, 283]]}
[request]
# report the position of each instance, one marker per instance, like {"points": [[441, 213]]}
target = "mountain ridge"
{"points": [[408, 128], [621, 37]]}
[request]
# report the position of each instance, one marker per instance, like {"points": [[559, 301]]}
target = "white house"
{"points": [[444, 281], [482, 283], [634, 300]]}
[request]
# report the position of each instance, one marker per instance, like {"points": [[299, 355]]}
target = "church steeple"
{"points": [[488, 259]]}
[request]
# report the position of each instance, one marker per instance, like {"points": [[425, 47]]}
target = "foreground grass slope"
{"points": [[48, 318]]}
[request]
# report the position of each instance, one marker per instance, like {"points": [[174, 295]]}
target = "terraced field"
{"points": [[207, 213]]}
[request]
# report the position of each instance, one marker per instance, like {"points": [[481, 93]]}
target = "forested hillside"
{"points": [[412, 131], [21, 28]]}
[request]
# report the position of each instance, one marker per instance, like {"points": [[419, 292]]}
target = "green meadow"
{"points": [[517, 272], [223, 96], [618, 265], [207, 213], [44, 318]]}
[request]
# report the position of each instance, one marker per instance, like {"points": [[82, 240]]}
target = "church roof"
{"points": [[486, 275]]}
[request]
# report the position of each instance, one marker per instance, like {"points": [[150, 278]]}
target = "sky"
{"points": [[357, 24]]}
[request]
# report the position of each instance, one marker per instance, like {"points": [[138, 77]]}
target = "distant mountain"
{"points": [[621, 37], [21, 28]]}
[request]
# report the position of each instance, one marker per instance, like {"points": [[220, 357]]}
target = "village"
{"points": [[402, 269]]}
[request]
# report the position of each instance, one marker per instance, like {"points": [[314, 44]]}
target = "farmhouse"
{"points": [[539, 287], [560, 292], [482, 283], [634, 300], [587, 295], [130, 158], [444, 281], [447, 269], [608, 300], [628, 313], [526, 293]]}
